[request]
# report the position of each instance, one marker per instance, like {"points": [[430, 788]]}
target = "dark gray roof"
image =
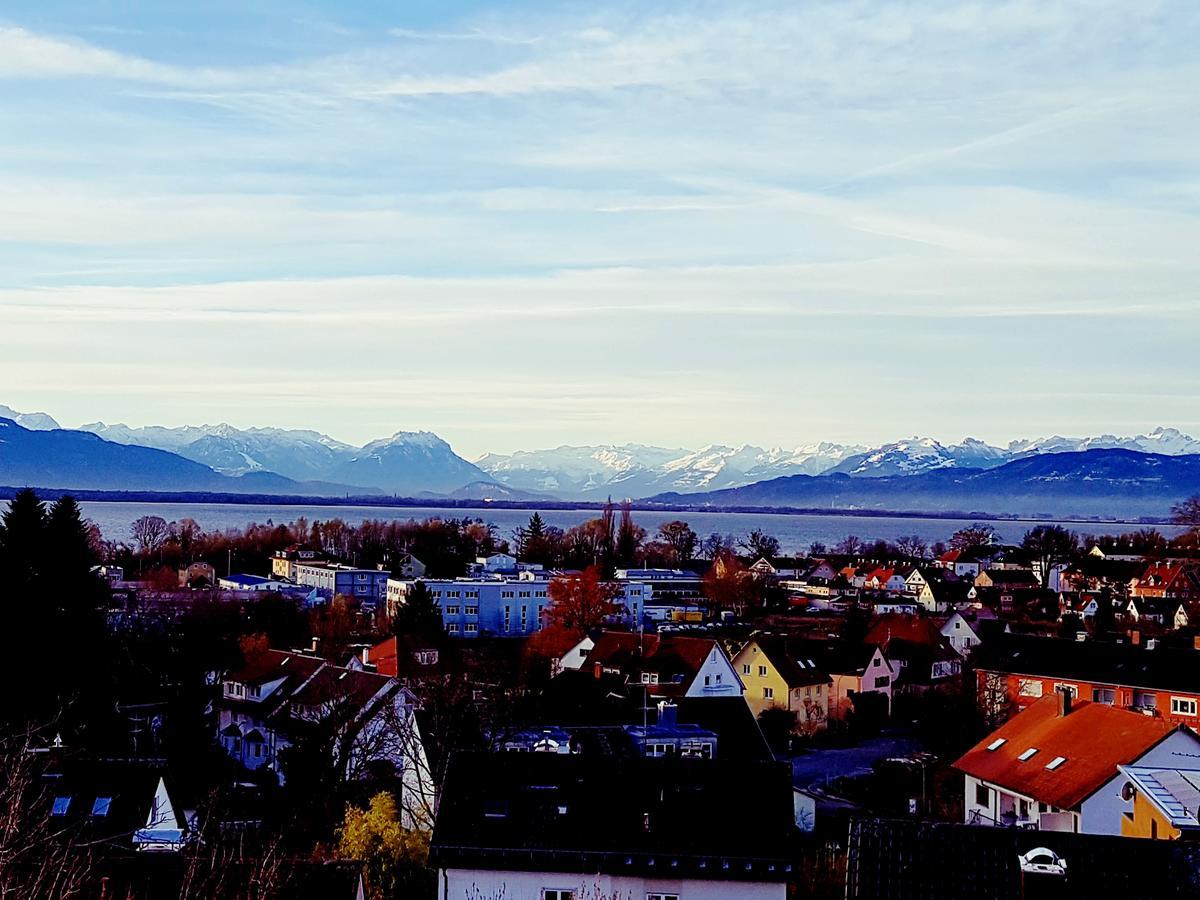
{"points": [[676, 818], [1165, 668]]}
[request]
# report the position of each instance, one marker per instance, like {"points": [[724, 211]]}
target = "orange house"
{"points": [[1015, 671]]}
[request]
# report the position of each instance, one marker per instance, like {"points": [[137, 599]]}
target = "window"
{"points": [[452, 628], [1028, 754], [746, 669], [662, 897], [452, 610], [100, 807], [768, 693], [1071, 689], [983, 795], [557, 894], [471, 610], [882, 681], [471, 627], [1029, 687], [762, 671], [61, 805], [1183, 706], [1104, 695]]}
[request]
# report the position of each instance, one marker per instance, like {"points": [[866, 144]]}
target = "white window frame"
{"points": [[1183, 706]]}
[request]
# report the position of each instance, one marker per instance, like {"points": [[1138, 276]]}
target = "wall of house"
{"points": [[1145, 821], [457, 883], [716, 677], [747, 664], [1102, 813], [1022, 690]]}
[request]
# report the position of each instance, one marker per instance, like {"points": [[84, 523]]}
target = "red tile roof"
{"points": [[1093, 738], [269, 665], [669, 655], [916, 629]]}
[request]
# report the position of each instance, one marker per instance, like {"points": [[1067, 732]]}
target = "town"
{"points": [[432, 709]]}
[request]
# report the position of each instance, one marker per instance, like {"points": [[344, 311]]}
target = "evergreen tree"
{"points": [[22, 544], [418, 614]]}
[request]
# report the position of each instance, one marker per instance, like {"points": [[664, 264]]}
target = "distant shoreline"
{"points": [[374, 500]]}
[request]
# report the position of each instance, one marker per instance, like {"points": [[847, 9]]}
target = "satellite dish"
{"points": [[1128, 791]]}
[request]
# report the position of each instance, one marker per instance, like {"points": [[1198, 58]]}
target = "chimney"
{"points": [[1135, 637], [366, 656], [1064, 703], [668, 714], [316, 644]]}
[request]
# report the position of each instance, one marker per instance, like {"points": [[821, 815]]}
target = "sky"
{"points": [[529, 224]]}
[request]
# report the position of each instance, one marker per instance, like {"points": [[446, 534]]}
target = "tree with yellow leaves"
{"points": [[394, 857]]}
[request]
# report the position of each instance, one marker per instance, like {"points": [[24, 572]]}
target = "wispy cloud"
{"points": [[854, 201]]}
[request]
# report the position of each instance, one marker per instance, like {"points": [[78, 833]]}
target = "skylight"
{"points": [[1028, 754], [101, 806], [61, 804], [997, 743], [1056, 762]]}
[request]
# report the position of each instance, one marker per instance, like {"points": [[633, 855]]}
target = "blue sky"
{"points": [[523, 225]]}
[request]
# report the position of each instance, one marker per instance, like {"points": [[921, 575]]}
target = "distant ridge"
{"points": [[79, 459], [1102, 482]]}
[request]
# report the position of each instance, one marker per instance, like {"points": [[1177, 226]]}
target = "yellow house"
{"points": [[1162, 802], [774, 678]]}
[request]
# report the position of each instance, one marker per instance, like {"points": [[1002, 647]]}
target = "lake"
{"points": [[795, 532]]}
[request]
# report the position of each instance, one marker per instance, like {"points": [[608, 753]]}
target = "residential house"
{"points": [[116, 804], [856, 668], [774, 678], [1054, 766], [575, 658], [1169, 580], [919, 655], [959, 633], [197, 574], [1008, 580], [1017, 670], [1166, 801], [277, 698], [564, 827], [667, 665]]}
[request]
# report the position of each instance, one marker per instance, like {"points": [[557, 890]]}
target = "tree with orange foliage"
{"points": [[582, 602], [729, 585]]}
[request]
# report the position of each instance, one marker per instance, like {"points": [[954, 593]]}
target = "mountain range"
{"points": [[1104, 482], [421, 464]]}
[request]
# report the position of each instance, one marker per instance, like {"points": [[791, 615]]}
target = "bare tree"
{"points": [[37, 859], [149, 533], [912, 546], [1187, 512]]}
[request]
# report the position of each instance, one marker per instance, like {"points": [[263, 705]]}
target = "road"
{"points": [[818, 766]]}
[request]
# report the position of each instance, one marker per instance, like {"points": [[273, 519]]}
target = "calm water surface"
{"points": [[795, 532]]}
